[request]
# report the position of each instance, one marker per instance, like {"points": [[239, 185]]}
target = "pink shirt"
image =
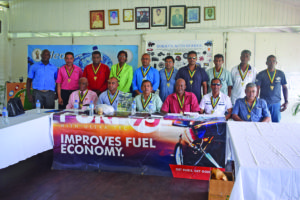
{"points": [[91, 96], [171, 104], [62, 78]]}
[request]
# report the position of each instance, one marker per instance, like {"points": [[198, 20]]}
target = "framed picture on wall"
{"points": [[128, 15], [177, 17], [209, 13], [97, 19], [142, 18], [159, 16], [113, 17], [193, 14]]}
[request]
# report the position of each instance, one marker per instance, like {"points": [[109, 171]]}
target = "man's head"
{"points": [[113, 14], [218, 60], [45, 56], [250, 91], [141, 13], [192, 57], [96, 57], [112, 84], [215, 85], [209, 12], [122, 56], [169, 62], [245, 56], [177, 11], [271, 61], [83, 83], [146, 87], [145, 60], [69, 58], [158, 11], [180, 86]]}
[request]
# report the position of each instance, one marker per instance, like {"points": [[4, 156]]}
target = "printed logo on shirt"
{"points": [[277, 79]]}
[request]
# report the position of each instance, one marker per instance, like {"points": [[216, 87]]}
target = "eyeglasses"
{"points": [[216, 84], [192, 58], [168, 62]]}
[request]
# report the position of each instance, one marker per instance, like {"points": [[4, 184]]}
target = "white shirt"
{"points": [[238, 85], [222, 106]]}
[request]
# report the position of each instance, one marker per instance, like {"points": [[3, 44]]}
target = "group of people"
{"points": [[189, 89]]}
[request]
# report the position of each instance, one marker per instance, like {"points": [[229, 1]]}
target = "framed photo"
{"points": [[97, 19], [113, 17], [193, 14], [142, 18], [209, 13], [159, 16], [177, 17], [128, 15]]}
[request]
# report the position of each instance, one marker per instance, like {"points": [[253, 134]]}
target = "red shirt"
{"points": [[98, 81], [171, 104]]}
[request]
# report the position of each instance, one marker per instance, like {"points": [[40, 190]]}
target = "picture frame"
{"points": [[113, 17], [97, 19], [142, 18], [177, 17], [159, 16], [193, 14], [210, 13], [128, 15]]}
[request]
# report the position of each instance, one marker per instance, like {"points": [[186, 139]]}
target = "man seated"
{"points": [[111, 96], [251, 108], [216, 102], [142, 100], [83, 95], [180, 101]]}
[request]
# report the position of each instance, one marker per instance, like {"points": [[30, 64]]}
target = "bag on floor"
{"points": [[15, 107]]}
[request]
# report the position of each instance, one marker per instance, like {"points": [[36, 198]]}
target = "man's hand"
{"points": [[283, 107], [60, 101], [98, 92], [30, 98]]}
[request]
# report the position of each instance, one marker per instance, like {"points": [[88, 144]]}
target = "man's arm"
{"points": [[235, 117], [204, 84], [201, 111], [28, 86], [258, 88], [229, 114], [285, 95], [266, 119], [60, 100], [229, 90]]}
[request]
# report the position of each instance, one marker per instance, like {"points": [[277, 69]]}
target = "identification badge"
{"points": [[248, 116], [95, 77], [271, 87], [168, 84], [191, 82], [69, 80]]}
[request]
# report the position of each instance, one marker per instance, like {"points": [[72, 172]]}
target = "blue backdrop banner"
{"points": [[83, 54]]}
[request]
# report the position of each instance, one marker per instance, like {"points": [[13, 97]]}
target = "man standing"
{"points": [[42, 76], [143, 100], [97, 74], [251, 108], [123, 72], [111, 96], [194, 76], [146, 72], [219, 72], [181, 101], [241, 76], [269, 84], [83, 95], [216, 102], [67, 80], [167, 78]]}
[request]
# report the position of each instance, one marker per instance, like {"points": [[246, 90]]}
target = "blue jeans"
{"points": [[275, 111]]}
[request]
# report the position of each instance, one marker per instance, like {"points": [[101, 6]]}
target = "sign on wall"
{"points": [[159, 49], [83, 54]]}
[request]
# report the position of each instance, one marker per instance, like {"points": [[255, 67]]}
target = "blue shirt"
{"points": [[199, 77], [43, 76], [152, 76], [273, 95], [258, 113], [166, 87], [103, 99]]}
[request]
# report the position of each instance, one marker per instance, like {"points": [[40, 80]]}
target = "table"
{"points": [[267, 160], [25, 136]]}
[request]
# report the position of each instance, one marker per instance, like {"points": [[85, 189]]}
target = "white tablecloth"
{"points": [[25, 136], [267, 160]]}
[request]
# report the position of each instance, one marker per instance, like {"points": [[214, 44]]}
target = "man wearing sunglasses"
{"points": [[216, 102], [194, 76]]}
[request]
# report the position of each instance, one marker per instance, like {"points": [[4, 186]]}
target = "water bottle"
{"points": [[133, 108], [76, 107], [38, 106], [151, 107], [91, 107], [4, 116]]}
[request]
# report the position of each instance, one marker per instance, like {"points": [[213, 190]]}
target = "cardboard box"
{"points": [[219, 189]]}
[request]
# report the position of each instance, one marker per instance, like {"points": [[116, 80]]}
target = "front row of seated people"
{"points": [[249, 108]]}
